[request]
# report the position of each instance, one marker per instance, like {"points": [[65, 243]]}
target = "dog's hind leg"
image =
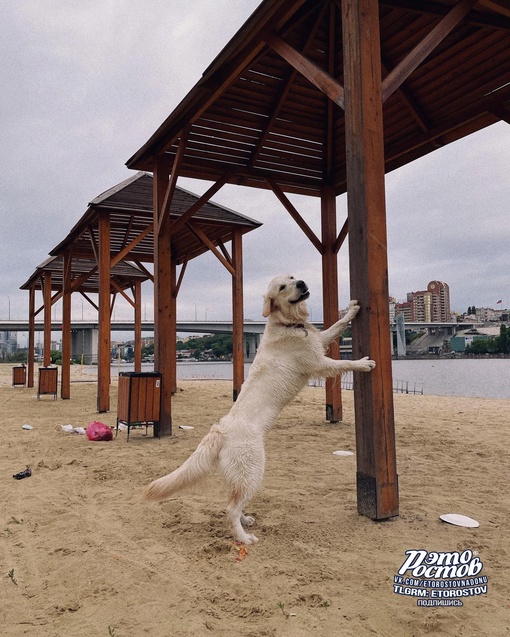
{"points": [[244, 476], [235, 517]]}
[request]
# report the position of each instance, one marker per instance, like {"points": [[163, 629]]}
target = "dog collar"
{"points": [[297, 326]]}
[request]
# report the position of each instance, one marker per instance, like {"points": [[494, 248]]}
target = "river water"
{"points": [[484, 378]]}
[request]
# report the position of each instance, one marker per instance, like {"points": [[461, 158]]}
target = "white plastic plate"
{"points": [[459, 520], [343, 453]]}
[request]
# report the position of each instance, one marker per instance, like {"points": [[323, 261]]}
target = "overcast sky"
{"points": [[83, 86]]}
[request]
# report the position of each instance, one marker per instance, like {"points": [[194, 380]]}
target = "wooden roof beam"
{"points": [[313, 73], [127, 249], [183, 219], [90, 229], [342, 235], [128, 230], [207, 242], [76, 283], [487, 104], [225, 252], [164, 214], [181, 277], [330, 116], [408, 100], [476, 17], [502, 112], [117, 287], [281, 96], [496, 7], [144, 270], [295, 215], [85, 296], [403, 70], [218, 77]]}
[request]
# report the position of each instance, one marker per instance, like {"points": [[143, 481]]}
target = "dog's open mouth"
{"points": [[305, 294]]}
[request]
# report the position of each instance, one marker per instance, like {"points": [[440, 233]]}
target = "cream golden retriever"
{"points": [[291, 352]]}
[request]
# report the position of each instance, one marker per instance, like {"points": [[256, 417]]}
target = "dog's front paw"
{"points": [[353, 309], [365, 365]]}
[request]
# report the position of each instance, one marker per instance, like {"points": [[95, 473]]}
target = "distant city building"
{"points": [[487, 314], [406, 309], [429, 306], [8, 343]]}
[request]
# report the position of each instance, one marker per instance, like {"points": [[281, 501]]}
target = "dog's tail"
{"points": [[197, 466]]}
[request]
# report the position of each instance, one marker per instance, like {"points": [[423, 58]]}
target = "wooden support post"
{"points": [[163, 295], [237, 313], [65, 386], [138, 325], [31, 337], [47, 319], [104, 319], [373, 392], [172, 344], [330, 295]]}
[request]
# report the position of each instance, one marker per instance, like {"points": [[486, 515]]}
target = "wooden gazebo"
{"points": [[322, 97], [57, 278], [118, 226]]}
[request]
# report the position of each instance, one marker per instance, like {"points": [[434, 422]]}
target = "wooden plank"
{"points": [[295, 215], [181, 221], [104, 320], [282, 93], [117, 287], [47, 319], [164, 211], [330, 295], [163, 304], [373, 392], [207, 242], [132, 245], [138, 325], [65, 386], [313, 73], [31, 337], [497, 7], [403, 70], [237, 313], [172, 345]]}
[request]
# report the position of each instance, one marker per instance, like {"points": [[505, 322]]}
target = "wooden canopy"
{"points": [[322, 97], [84, 276], [107, 252], [271, 105], [129, 206], [76, 274]]}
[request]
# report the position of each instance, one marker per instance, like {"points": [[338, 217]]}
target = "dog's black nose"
{"points": [[301, 285]]}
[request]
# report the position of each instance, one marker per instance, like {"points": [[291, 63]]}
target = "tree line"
{"points": [[498, 345]]}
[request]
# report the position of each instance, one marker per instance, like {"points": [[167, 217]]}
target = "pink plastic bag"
{"points": [[98, 431]]}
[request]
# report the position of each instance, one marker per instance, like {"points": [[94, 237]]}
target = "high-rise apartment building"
{"points": [[431, 305]]}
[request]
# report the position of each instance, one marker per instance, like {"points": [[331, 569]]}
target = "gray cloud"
{"points": [[85, 84]]}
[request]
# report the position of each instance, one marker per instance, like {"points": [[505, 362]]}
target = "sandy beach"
{"points": [[82, 555]]}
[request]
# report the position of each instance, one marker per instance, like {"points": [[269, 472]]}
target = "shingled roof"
{"points": [[129, 205], [84, 275]]}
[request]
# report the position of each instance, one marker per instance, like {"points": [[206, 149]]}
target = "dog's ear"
{"points": [[268, 302]]}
